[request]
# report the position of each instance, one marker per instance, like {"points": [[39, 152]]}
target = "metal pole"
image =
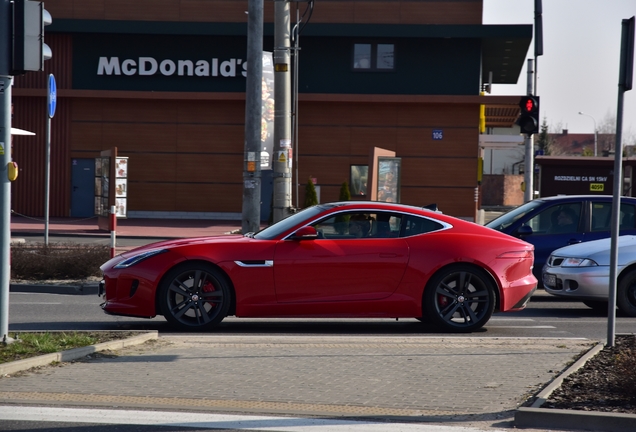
{"points": [[616, 210], [5, 158], [5, 204], [251, 217], [625, 81], [47, 179], [296, 54], [595, 132], [281, 162], [529, 146]]}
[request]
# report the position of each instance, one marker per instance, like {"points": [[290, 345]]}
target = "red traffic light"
{"points": [[529, 117], [529, 104]]}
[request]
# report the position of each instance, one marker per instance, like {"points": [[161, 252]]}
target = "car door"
{"points": [[546, 238], [337, 266]]}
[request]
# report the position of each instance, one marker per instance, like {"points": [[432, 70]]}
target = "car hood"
{"points": [[599, 250], [177, 243]]}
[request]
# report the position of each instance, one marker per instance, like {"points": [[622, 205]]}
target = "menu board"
{"points": [[104, 182], [121, 186]]}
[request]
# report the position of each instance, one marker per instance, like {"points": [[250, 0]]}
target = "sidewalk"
{"points": [[131, 228]]}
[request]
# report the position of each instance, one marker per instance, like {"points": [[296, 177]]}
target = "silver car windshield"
{"points": [[507, 219]]}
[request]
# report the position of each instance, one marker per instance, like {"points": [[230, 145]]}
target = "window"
{"points": [[353, 225], [602, 216], [559, 219], [374, 57], [358, 180], [414, 225]]}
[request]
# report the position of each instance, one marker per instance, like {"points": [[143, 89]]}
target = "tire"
{"points": [[626, 294], [597, 305], [460, 299], [194, 297]]}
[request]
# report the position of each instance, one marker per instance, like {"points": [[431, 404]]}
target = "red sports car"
{"points": [[344, 259]]}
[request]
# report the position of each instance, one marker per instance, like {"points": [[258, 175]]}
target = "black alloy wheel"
{"points": [[194, 297], [460, 299], [626, 294]]}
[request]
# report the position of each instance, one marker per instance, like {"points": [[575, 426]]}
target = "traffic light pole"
{"points": [[528, 177]]}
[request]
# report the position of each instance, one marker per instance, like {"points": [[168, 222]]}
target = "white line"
{"points": [[521, 327], [35, 303], [217, 421]]}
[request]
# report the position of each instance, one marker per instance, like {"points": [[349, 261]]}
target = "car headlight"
{"points": [[578, 262], [138, 258]]}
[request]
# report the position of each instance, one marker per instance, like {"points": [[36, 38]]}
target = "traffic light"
{"points": [[29, 49], [529, 118]]}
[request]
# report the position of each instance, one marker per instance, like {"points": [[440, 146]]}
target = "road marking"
{"points": [[216, 421], [521, 327], [35, 303]]}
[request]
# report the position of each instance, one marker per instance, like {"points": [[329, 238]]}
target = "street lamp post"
{"points": [[595, 131]]}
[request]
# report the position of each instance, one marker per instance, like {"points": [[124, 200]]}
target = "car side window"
{"points": [[602, 216], [348, 225], [414, 225], [557, 219], [353, 225], [628, 216]]}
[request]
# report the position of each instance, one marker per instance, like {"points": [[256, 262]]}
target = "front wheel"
{"points": [[460, 299], [626, 294], [194, 297]]}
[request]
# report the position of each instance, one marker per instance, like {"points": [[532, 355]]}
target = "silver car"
{"points": [[581, 271]]}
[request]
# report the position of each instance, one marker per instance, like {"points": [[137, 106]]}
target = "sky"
{"points": [[579, 68]]}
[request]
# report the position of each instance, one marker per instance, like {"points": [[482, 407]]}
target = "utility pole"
{"points": [[251, 217], [282, 157]]}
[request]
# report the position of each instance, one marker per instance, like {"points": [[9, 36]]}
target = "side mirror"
{"points": [[524, 230], [305, 233]]}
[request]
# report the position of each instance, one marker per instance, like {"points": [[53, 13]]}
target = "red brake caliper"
{"points": [[208, 287]]}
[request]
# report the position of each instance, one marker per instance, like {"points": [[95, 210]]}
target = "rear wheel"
{"points": [[626, 294], [194, 297], [460, 299]]}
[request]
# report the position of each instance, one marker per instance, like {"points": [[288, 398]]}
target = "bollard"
{"points": [[113, 229]]}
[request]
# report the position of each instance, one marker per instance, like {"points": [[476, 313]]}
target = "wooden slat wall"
{"points": [[325, 11], [187, 155]]}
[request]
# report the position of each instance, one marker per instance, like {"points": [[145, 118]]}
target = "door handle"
{"points": [[388, 255], [574, 241]]}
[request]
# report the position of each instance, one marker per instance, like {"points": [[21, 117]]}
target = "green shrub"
{"points": [[311, 198], [345, 193], [37, 261]]}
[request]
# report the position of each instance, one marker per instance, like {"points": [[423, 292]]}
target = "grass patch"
{"points": [[37, 261], [28, 345]]}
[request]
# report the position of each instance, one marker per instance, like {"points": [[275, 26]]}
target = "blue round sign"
{"points": [[52, 96]]}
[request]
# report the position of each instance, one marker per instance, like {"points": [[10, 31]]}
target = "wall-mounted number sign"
{"points": [[438, 134], [597, 187]]}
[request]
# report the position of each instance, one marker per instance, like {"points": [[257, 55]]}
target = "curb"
{"points": [[80, 289], [549, 418], [74, 354]]}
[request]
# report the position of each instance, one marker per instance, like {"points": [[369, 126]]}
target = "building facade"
{"points": [[163, 81]]}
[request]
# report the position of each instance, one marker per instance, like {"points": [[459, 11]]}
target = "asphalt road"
{"points": [[545, 316]]}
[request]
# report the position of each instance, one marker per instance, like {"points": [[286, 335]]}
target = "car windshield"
{"points": [[273, 231], [507, 219]]}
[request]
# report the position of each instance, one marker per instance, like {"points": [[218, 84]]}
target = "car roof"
{"points": [[578, 197]]}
